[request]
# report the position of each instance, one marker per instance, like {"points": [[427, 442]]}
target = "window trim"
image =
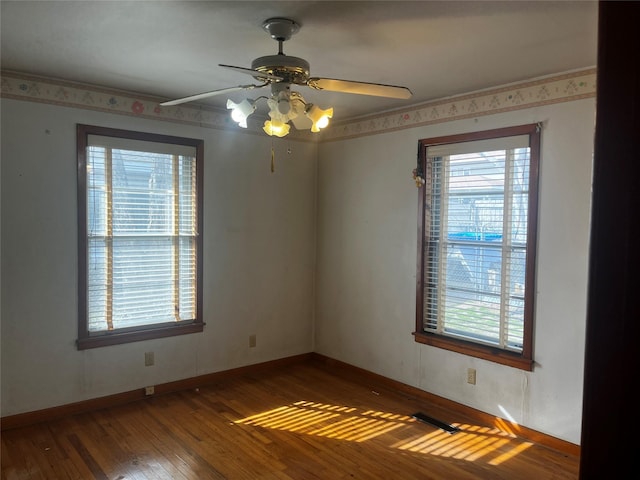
{"points": [[523, 360], [85, 340]]}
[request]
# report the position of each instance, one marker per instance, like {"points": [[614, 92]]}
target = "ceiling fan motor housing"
{"points": [[291, 69]]}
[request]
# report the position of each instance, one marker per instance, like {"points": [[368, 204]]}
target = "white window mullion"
{"points": [[443, 243], [175, 175], [505, 270], [194, 233], [108, 163]]}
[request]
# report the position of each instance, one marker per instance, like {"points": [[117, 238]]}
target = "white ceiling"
{"points": [[171, 49]]}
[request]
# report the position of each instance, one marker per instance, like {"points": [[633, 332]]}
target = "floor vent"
{"points": [[435, 422]]}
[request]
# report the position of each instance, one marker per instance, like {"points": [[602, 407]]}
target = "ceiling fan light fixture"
{"points": [[319, 117], [276, 128], [280, 72], [240, 111]]}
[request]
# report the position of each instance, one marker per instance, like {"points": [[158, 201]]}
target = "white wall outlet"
{"points": [[252, 340], [148, 359], [149, 390], [471, 376]]}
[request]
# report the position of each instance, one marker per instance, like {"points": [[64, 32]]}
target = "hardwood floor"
{"points": [[299, 422]]}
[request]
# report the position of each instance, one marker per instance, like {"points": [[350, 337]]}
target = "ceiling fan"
{"points": [[280, 72]]}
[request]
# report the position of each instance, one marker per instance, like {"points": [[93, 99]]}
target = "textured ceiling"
{"points": [[171, 49]]}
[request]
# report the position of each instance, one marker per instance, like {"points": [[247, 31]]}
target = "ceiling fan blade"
{"points": [[254, 73], [362, 88], [212, 93]]}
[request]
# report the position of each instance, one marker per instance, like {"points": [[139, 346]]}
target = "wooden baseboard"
{"points": [[53, 413], [335, 367], [380, 382]]}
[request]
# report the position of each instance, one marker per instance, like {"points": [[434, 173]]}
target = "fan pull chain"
{"points": [[273, 166]]}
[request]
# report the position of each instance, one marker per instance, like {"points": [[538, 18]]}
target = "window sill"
{"points": [[117, 338], [474, 350]]}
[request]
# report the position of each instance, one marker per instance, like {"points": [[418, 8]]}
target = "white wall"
{"points": [[258, 227], [366, 269]]}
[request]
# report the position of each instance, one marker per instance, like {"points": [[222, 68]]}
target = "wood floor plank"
{"points": [[294, 423]]}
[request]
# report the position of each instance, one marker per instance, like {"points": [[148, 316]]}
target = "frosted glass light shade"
{"points": [[319, 117], [276, 128], [240, 111]]}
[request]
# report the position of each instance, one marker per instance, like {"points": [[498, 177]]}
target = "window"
{"points": [[477, 243], [139, 236]]}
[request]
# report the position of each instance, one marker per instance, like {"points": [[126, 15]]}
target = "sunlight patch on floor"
{"points": [[331, 421], [470, 442], [340, 422]]}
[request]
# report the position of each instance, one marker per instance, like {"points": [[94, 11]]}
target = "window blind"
{"points": [[141, 233], [475, 258]]}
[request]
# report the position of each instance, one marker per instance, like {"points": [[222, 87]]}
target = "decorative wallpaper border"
{"points": [[32, 88], [543, 91]]}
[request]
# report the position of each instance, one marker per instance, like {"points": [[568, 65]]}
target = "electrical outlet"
{"points": [[148, 359], [149, 390], [252, 341], [471, 376]]}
